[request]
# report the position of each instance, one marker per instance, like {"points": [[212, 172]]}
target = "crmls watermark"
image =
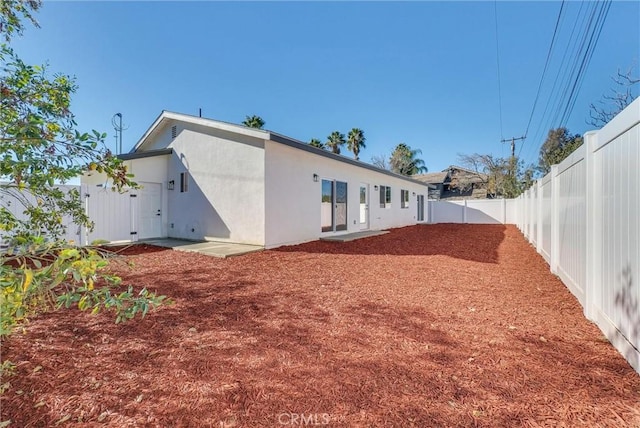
{"points": [[304, 419]]}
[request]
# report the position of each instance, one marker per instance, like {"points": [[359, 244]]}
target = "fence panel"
{"points": [[572, 213], [446, 212], [545, 219], [616, 294], [13, 203], [533, 216], [486, 211]]}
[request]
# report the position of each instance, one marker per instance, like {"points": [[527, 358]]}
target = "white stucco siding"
{"points": [[224, 200], [293, 199], [162, 137]]}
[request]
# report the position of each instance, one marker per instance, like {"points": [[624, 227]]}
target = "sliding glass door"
{"points": [[327, 206], [333, 206]]}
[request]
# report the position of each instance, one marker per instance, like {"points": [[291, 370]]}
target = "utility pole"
{"points": [[513, 144], [512, 161]]}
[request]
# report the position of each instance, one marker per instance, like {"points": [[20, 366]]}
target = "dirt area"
{"points": [[440, 325]]}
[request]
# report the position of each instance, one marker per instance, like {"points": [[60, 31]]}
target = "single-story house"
{"points": [[204, 179], [456, 183]]}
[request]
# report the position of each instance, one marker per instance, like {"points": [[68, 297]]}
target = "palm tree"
{"points": [[334, 141], [404, 161], [316, 143], [253, 122], [356, 141]]}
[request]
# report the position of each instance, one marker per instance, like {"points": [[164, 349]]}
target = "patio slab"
{"points": [[209, 248], [355, 235]]}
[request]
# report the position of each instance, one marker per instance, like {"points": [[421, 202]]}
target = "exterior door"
{"points": [[333, 214], [364, 206], [150, 210], [326, 206], [420, 205]]}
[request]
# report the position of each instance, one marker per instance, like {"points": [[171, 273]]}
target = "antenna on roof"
{"points": [[116, 121], [200, 112]]}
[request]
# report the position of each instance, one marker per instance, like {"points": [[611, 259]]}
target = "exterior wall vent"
{"points": [[174, 131]]}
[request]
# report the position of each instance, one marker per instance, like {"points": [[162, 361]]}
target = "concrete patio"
{"points": [[209, 248]]}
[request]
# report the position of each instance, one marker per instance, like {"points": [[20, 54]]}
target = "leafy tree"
{"points": [[254, 122], [404, 160], [611, 104], [558, 145], [39, 148], [316, 143], [355, 141], [334, 141], [502, 177]]}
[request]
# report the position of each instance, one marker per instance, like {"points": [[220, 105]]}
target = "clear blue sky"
{"points": [[422, 73]]}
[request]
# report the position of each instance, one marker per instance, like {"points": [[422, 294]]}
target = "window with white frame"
{"points": [[385, 197], [404, 198]]}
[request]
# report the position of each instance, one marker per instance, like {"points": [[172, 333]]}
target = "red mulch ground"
{"points": [[442, 325]]}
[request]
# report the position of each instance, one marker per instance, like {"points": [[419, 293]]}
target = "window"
{"points": [[404, 199], [385, 197], [184, 182]]}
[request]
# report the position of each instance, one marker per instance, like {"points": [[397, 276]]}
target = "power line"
{"points": [[565, 58], [544, 71], [586, 59], [572, 77]]}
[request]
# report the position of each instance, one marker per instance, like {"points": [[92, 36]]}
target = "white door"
{"points": [[150, 211], [364, 206], [420, 205]]}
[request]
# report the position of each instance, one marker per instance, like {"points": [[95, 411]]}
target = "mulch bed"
{"points": [[439, 325]]}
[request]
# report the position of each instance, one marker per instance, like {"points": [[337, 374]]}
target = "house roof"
{"points": [[478, 176], [167, 116], [432, 177], [148, 154]]}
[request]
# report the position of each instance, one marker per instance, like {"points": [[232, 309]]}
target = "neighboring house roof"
{"points": [[167, 116], [475, 176], [432, 177]]}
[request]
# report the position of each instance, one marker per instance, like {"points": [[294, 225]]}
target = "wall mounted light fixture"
{"points": [[170, 185], [315, 178], [375, 187]]}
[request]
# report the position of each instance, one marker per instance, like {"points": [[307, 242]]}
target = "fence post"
{"points": [[539, 202], [504, 211], [525, 215], [593, 226], [464, 212], [555, 219]]}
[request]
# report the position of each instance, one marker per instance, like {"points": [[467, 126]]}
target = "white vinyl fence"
{"points": [[16, 202], [476, 211], [111, 212], [583, 218]]}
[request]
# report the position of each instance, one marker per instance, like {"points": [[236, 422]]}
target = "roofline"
{"points": [[287, 141], [463, 169], [196, 120], [140, 155], [255, 133]]}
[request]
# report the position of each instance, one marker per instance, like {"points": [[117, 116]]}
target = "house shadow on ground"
{"points": [[473, 242]]}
